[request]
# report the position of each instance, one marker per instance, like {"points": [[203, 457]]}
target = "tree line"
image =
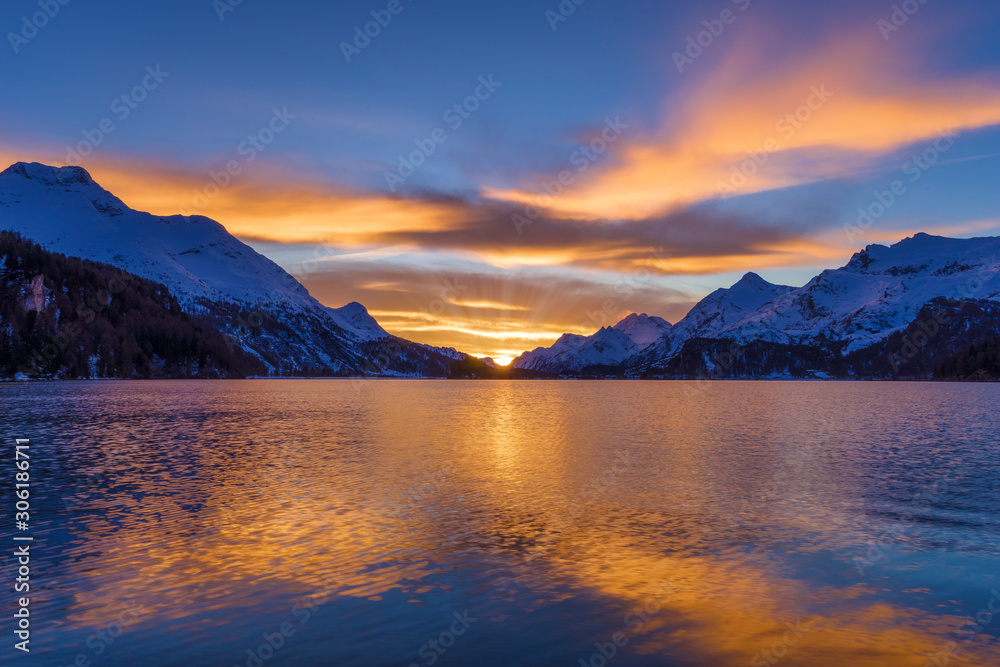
{"points": [[63, 317]]}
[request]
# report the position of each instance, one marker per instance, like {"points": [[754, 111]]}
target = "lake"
{"points": [[398, 522]]}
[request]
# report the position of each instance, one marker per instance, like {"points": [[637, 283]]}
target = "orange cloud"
{"points": [[808, 118], [275, 205], [264, 201]]}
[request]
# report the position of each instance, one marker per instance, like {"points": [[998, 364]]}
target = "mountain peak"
{"points": [[751, 279], [355, 318], [23, 178], [632, 317], [637, 318], [354, 308], [922, 240], [643, 329], [924, 253], [49, 175]]}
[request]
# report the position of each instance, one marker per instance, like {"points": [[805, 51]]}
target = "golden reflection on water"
{"points": [[731, 610], [707, 504]]}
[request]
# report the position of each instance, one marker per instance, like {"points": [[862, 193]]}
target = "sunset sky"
{"points": [[487, 176]]}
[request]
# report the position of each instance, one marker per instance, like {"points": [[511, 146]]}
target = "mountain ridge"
{"points": [[248, 297], [881, 292]]}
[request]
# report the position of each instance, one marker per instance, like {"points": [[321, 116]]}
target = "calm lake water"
{"points": [[339, 522]]}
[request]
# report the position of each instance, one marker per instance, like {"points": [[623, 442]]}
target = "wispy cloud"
{"points": [[801, 116]]}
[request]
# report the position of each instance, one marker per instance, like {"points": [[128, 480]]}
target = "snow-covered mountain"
{"points": [[256, 302], [876, 296], [880, 291], [608, 347], [643, 330], [354, 319], [720, 310]]}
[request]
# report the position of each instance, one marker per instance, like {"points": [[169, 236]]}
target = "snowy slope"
{"points": [[608, 347], [64, 210], [878, 292], [720, 310], [354, 318], [643, 329], [205, 267]]}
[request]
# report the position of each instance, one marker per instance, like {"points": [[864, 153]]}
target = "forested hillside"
{"points": [[977, 363], [62, 317]]}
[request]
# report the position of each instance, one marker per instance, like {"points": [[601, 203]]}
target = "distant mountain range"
{"points": [[925, 305], [899, 311], [611, 346]]}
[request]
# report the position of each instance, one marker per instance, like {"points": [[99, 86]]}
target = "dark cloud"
{"points": [[492, 227]]}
